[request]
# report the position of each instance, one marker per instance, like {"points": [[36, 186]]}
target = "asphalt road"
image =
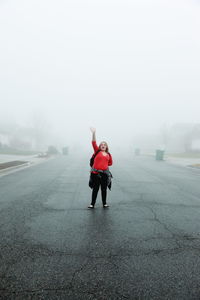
{"points": [[145, 246]]}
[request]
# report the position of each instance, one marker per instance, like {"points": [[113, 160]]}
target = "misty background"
{"points": [[129, 68]]}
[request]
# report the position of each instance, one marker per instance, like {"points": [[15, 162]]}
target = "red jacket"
{"points": [[101, 162]]}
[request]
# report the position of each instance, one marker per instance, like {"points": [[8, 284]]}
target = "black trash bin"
{"points": [[137, 151], [65, 151], [160, 154]]}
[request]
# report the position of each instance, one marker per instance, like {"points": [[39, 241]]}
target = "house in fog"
{"points": [[184, 137]]}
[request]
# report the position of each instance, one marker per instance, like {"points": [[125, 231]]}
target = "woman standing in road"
{"points": [[100, 174]]}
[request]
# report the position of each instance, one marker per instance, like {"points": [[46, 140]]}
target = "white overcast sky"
{"points": [[124, 66]]}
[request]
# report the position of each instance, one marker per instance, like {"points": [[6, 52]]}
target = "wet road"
{"points": [[145, 246]]}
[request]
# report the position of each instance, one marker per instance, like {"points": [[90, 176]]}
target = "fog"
{"points": [[128, 68]]}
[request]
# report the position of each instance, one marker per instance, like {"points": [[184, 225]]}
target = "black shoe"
{"points": [[91, 206]]}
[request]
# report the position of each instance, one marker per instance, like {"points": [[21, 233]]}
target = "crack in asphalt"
{"points": [[155, 217], [164, 226], [43, 251], [168, 181], [69, 287], [41, 290], [31, 293], [138, 201], [94, 291], [76, 273]]}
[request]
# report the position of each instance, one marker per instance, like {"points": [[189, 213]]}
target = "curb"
{"points": [[28, 164], [15, 167]]}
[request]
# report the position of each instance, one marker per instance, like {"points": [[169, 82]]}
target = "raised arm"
{"points": [[93, 130], [94, 144]]}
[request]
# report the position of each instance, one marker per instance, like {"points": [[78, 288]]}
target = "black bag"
{"points": [[93, 157]]}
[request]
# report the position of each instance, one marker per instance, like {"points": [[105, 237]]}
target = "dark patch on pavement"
{"points": [[10, 164]]}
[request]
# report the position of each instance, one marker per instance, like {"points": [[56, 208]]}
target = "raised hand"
{"points": [[93, 130]]}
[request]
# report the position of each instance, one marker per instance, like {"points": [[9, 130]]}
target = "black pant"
{"points": [[99, 180]]}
